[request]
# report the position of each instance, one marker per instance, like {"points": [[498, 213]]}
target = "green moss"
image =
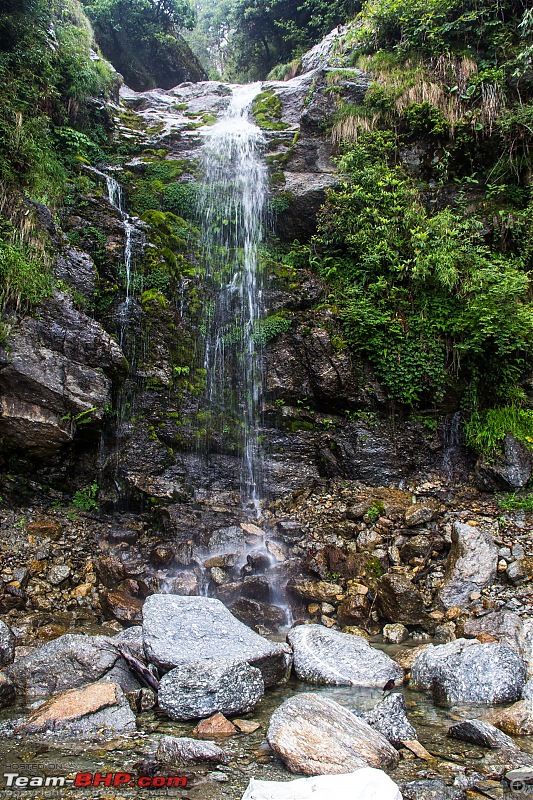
{"points": [[267, 109]]}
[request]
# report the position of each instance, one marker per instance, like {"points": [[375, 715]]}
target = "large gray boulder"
{"points": [[199, 689], [466, 671], [7, 644], [471, 564], [67, 662], [389, 717], [325, 656], [476, 731], [316, 736], [93, 708], [510, 469], [201, 629]]}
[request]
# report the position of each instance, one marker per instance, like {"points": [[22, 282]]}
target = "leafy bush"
{"points": [[270, 327], [86, 499], [486, 430], [25, 278]]}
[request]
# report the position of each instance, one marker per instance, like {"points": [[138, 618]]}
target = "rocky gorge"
{"points": [[158, 619]]}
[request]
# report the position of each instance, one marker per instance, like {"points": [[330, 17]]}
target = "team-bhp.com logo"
{"points": [[90, 780]]}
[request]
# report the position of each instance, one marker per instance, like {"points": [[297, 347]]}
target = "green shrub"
{"points": [[486, 430], [25, 278], [269, 328], [86, 499]]}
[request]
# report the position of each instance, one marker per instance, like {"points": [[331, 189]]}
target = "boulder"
{"points": [[418, 514], [431, 790], [511, 469], [316, 736], [471, 565], [395, 633], [364, 784], [516, 720], [178, 751], [7, 644], [527, 691], [217, 725], [340, 659], [505, 626], [88, 710], [476, 731], [204, 630], [320, 591], [466, 671], [67, 662], [198, 689], [520, 570], [354, 610], [254, 612], [7, 691], [123, 607], [400, 601], [389, 717]]}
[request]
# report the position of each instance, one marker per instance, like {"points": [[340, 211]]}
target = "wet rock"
{"points": [[253, 612], [58, 574], [321, 591], [123, 606], [323, 54], [185, 583], [88, 710], [510, 470], [316, 736], [516, 720], [194, 689], [505, 626], [162, 554], [204, 629], [65, 663], [246, 725], [110, 570], [7, 691], [389, 717], [7, 644], [217, 725], [177, 751], [520, 570], [256, 587], [481, 733], [395, 633], [431, 790], [365, 783], [340, 659], [415, 547], [400, 601], [471, 565], [227, 539], [418, 514], [353, 611], [466, 671]]}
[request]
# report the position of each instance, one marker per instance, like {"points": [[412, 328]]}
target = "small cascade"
{"points": [[116, 198], [451, 444], [232, 207]]}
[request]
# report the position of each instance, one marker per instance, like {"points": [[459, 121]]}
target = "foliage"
{"points": [[86, 499], [270, 327], [421, 295], [25, 277], [486, 430], [517, 502], [267, 111]]}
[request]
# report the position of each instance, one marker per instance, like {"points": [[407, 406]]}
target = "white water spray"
{"points": [[233, 206]]}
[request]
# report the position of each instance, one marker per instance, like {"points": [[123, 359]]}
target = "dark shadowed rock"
{"points": [[7, 644], [67, 662], [7, 691], [195, 689], [204, 629], [389, 717], [471, 564], [400, 601], [254, 612], [466, 671], [316, 736], [178, 751], [509, 470], [481, 733], [331, 657]]}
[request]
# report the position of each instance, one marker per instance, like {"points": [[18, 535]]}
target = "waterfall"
{"points": [[232, 206], [116, 198]]}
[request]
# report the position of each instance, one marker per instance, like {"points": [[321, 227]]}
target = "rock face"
{"points": [[400, 601], [7, 691], [67, 662], [176, 751], [365, 783], [510, 470], [194, 690], [316, 736], [466, 671], [203, 630], [482, 733], [95, 707], [7, 644], [56, 366], [389, 717], [471, 564], [330, 657]]}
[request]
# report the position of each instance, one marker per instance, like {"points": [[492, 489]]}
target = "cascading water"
{"points": [[233, 205], [116, 198]]}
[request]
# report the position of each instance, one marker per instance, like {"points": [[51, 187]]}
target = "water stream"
{"points": [[232, 205]]}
